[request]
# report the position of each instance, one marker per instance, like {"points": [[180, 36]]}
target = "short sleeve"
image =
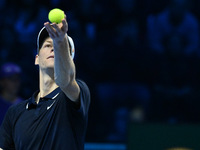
{"points": [[84, 99], [6, 140]]}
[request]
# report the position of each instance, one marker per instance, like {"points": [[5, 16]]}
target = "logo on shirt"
{"points": [[50, 105], [53, 102]]}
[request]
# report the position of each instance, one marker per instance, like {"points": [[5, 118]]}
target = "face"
{"points": [[45, 57]]}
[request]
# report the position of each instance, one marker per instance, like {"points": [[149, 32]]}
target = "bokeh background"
{"points": [[140, 58]]}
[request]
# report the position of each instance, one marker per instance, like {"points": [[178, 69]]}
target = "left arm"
{"points": [[64, 67]]}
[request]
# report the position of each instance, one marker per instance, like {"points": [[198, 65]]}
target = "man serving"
{"points": [[55, 117]]}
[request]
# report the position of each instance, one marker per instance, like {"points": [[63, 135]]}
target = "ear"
{"points": [[37, 59]]}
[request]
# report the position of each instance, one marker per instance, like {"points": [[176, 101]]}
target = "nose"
{"points": [[52, 50]]}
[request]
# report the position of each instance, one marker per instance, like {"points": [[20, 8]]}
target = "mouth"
{"points": [[50, 57]]}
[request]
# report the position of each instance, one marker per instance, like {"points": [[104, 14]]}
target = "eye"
{"points": [[47, 46]]}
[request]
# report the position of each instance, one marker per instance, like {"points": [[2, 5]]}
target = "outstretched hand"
{"points": [[57, 31]]}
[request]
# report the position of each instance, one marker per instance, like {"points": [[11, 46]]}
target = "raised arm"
{"points": [[64, 68]]}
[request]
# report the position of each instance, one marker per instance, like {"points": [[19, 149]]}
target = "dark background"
{"points": [[129, 79]]}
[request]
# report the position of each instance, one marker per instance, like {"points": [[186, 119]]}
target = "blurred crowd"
{"points": [[140, 58]]}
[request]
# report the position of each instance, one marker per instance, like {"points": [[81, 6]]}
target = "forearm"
{"points": [[64, 70]]}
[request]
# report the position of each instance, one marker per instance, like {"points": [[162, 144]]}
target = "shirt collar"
{"points": [[53, 94], [31, 102]]}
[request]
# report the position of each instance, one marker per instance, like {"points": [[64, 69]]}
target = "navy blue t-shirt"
{"points": [[55, 123], [4, 106]]}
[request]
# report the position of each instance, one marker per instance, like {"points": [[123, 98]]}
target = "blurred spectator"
{"points": [[175, 27], [118, 132], [2, 4], [173, 34], [9, 87], [8, 12], [121, 102], [26, 24]]}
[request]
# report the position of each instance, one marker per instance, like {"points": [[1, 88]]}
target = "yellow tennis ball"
{"points": [[56, 15]]}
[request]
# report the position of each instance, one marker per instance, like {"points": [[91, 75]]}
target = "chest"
{"points": [[42, 123]]}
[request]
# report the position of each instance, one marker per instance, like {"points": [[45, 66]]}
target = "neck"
{"points": [[47, 85]]}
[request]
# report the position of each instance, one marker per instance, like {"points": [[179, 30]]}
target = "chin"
{"points": [[50, 64]]}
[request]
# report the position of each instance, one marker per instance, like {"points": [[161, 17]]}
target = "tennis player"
{"points": [[55, 117]]}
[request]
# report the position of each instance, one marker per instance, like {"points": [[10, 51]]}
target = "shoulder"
{"points": [[84, 95], [83, 88], [20, 104], [84, 99], [82, 83], [16, 108], [14, 112]]}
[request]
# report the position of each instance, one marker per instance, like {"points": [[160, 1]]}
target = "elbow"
{"points": [[63, 81]]}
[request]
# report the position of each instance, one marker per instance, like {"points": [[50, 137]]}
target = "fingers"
{"points": [[56, 30], [65, 26], [50, 30]]}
